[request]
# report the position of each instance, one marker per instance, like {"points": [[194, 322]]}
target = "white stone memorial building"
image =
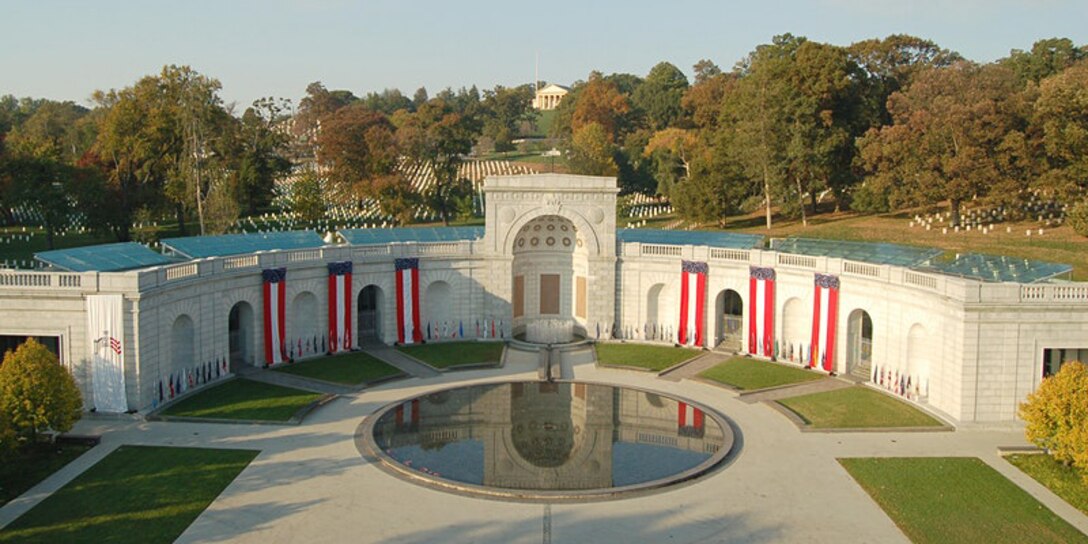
{"points": [[966, 336]]}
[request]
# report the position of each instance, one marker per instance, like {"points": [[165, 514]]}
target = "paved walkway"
{"points": [[796, 390], [297, 382], [309, 482], [403, 362], [703, 362]]}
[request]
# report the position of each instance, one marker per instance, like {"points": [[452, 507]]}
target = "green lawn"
{"points": [[856, 407], [244, 399], [136, 494], [349, 368], [451, 354], [655, 358], [1065, 482], [957, 499], [745, 373], [27, 468]]}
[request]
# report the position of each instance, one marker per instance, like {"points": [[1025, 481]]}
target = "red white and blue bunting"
{"points": [[761, 283], [692, 302], [339, 308], [275, 289], [825, 312], [408, 324]]}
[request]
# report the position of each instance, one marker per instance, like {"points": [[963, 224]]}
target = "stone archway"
{"points": [[729, 320], [436, 310], [369, 306], [241, 335], [549, 280], [859, 344]]}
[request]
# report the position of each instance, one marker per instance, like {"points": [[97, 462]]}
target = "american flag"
{"points": [[115, 345]]}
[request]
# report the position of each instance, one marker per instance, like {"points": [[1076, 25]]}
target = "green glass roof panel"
{"points": [[199, 247], [732, 240], [867, 252], [994, 268], [364, 237], [104, 257]]}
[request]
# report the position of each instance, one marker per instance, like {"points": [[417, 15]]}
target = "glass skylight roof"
{"points": [[996, 268], [198, 247], [866, 252], [732, 240], [104, 257], [411, 234]]}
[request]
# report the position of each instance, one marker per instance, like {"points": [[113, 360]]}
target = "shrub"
{"points": [[37, 394], [1057, 416], [1078, 218]]}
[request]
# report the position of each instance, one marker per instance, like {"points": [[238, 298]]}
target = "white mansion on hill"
{"points": [[967, 336]]}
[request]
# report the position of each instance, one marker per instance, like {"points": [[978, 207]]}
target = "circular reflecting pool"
{"points": [[547, 440]]}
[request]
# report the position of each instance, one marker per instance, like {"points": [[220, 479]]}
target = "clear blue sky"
{"points": [[66, 50]]}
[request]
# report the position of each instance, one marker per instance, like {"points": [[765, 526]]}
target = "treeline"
{"points": [[879, 125], [169, 146]]}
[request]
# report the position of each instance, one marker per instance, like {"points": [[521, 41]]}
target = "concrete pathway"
{"points": [[796, 390], [309, 482], [703, 362], [403, 362], [297, 382]]}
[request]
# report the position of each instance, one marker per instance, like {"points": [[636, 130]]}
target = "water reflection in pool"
{"points": [[549, 436]]}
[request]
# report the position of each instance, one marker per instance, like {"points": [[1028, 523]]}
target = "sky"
{"points": [[65, 50]]}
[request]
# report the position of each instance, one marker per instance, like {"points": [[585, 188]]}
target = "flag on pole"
{"points": [[761, 312], [824, 315], [339, 306], [692, 302], [408, 329], [275, 291]]}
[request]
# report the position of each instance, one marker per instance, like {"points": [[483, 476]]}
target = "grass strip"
{"points": [[349, 369], [746, 374], [246, 400]]}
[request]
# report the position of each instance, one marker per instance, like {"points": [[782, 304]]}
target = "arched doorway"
{"points": [[181, 343], [549, 279], [796, 331], [729, 330], [655, 315], [859, 344], [370, 314], [302, 339], [240, 334]]}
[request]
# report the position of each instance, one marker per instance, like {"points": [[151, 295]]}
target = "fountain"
{"points": [[549, 331]]}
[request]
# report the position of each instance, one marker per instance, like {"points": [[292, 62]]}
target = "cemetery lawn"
{"points": [[655, 358], [246, 400], [956, 499], [1057, 245], [349, 368], [1065, 482], [452, 354], [27, 468], [745, 374], [856, 407], [137, 494]]}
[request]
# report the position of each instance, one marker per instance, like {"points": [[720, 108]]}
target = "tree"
{"points": [[1061, 116], [591, 151], [504, 110], [357, 146], [438, 136], [950, 129], [674, 149], [1078, 218], [600, 102], [37, 394], [1046, 58], [306, 197], [1057, 416], [40, 184], [262, 154], [891, 65], [705, 70], [53, 132], [658, 97]]}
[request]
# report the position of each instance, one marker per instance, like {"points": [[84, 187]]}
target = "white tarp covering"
{"points": [[106, 341]]}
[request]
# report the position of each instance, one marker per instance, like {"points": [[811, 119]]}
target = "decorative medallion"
{"points": [[550, 241]]}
